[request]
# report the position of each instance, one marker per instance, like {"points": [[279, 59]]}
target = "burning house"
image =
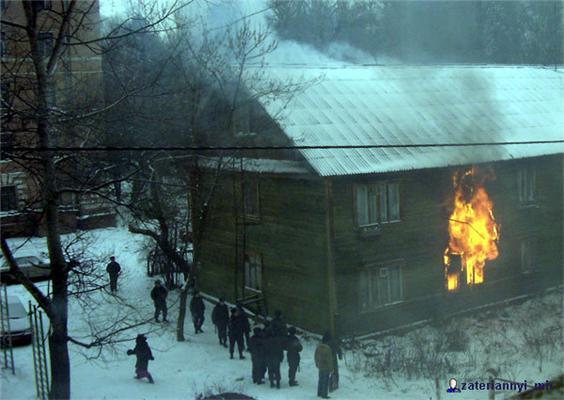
{"points": [[361, 239]]}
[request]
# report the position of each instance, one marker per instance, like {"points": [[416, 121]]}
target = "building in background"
{"points": [[77, 87]]}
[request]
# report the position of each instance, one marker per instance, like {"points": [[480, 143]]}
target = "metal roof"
{"points": [[387, 105]]}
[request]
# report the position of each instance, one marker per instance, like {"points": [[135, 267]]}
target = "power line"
{"points": [[291, 147]]}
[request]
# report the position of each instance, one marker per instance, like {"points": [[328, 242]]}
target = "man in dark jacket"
{"points": [[220, 318], [113, 269], [256, 347], [245, 322], [274, 346], [197, 309], [293, 348], [159, 294], [278, 325], [235, 333], [143, 353]]}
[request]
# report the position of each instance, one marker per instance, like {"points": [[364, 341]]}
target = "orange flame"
{"points": [[473, 230]]}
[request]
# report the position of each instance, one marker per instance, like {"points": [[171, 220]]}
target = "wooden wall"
{"points": [[421, 237], [291, 238]]}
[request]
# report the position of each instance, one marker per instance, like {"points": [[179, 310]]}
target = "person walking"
{"points": [[245, 323], [278, 325], [159, 294], [113, 269], [197, 308], [143, 353], [220, 318], [235, 333], [257, 349], [323, 362], [293, 349], [274, 355]]}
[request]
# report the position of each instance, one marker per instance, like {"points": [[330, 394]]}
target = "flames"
{"points": [[473, 230]]}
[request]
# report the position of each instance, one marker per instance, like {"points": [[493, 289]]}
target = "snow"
{"points": [[200, 365]]}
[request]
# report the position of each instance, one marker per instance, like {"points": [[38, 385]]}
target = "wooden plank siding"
{"points": [[290, 237], [293, 234], [419, 240]]}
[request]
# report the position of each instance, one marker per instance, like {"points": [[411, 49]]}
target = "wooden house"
{"points": [[353, 238]]}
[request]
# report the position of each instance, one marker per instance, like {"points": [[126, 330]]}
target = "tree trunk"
{"points": [[60, 363], [182, 313]]}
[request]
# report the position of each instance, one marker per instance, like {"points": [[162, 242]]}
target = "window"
{"points": [[377, 203], [45, 44], [41, 5], [9, 200], [526, 182], [379, 286], [253, 272], [6, 144], [6, 104], [528, 259], [251, 199], [3, 49]]}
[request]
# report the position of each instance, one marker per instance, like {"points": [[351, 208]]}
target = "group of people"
{"points": [[266, 346]]}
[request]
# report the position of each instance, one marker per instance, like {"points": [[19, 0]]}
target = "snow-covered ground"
{"points": [[501, 339]]}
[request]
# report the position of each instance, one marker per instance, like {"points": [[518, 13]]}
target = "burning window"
{"points": [[377, 203], [473, 231]]}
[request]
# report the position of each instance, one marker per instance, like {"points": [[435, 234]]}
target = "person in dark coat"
{"points": [[113, 269], [220, 318], [235, 327], [257, 350], [336, 354], [278, 325], [274, 354], [246, 324], [143, 353], [324, 362], [159, 294], [293, 348], [197, 308]]}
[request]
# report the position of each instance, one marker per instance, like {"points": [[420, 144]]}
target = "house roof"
{"points": [[397, 105]]}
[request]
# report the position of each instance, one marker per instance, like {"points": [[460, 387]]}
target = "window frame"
{"points": [[374, 274], [42, 39], [6, 146], [257, 278], [528, 249], [377, 212], [245, 188], [41, 5], [14, 200], [527, 185], [3, 44]]}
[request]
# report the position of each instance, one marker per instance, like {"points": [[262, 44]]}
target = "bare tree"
{"points": [[219, 78], [42, 43]]}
